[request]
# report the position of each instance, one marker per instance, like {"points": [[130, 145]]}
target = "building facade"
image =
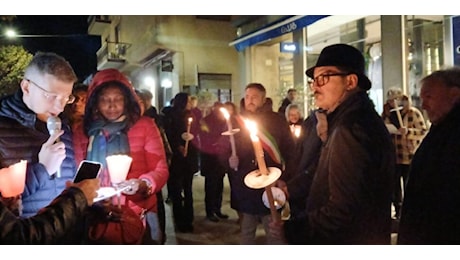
{"points": [[216, 57], [169, 54]]}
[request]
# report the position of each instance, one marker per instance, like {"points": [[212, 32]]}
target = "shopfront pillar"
{"points": [[394, 53]]}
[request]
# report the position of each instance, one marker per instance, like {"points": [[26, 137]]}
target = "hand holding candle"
{"points": [[233, 160], [259, 153]]}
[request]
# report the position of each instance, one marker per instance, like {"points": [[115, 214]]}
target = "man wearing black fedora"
{"points": [[349, 199]]}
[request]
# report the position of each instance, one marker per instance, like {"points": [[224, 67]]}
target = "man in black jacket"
{"points": [[246, 200], [349, 198]]}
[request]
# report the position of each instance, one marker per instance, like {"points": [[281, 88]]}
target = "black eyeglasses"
{"points": [[323, 79], [52, 96]]}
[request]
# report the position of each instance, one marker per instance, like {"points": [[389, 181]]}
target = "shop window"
{"points": [[213, 87], [425, 41], [362, 32]]}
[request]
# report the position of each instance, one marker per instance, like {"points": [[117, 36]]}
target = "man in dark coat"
{"points": [[246, 200], [44, 92], [349, 199], [431, 206]]}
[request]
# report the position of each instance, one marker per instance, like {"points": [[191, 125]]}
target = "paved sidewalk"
{"points": [[224, 232]]}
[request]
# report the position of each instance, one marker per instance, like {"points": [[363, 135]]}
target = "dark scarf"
{"points": [[107, 138]]}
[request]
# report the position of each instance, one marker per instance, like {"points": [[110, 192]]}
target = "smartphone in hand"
{"points": [[87, 170]]}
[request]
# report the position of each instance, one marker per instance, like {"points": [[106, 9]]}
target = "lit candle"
{"points": [[13, 179], [118, 167], [189, 125], [259, 153], [297, 130], [230, 129]]}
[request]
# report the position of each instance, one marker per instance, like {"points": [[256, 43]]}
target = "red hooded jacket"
{"points": [[145, 143]]}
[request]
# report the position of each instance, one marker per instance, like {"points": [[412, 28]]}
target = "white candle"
{"points": [[230, 129], [252, 126], [189, 125], [118, 167], [13, 179], [259, 153]]}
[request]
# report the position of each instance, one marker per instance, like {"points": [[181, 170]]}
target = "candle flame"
{"points": [[19, 166], [224, 111], [252, 127], [190, 120], [297, 130]]}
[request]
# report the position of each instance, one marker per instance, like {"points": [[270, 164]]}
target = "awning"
{"points": [[291, 24]]}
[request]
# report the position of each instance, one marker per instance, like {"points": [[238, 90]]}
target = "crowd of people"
{"points": [[341, 169]]}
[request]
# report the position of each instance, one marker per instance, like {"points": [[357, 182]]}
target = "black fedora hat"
{"points": [[346, 57]]}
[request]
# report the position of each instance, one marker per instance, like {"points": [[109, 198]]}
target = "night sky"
{"points": [[70, 39]]}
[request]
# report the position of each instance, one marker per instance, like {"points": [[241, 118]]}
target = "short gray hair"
{"points": [[292, 106], [449, 77], [52, 64], [144, 94]]}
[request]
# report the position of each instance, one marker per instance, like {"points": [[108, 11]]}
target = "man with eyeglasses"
{"points": [[44, 91], [349, 199]]}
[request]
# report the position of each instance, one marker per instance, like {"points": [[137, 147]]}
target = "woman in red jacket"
{"points": [[113, 125]]}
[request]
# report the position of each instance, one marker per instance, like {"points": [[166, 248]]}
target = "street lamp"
{"points": [[10, 33], [78, 48]]}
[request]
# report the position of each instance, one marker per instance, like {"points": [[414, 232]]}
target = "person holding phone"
{"points": [[87, 170], [52, 224], [113, 124]]}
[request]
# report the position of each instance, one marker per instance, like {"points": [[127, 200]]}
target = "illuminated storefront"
{"points": [[399, 51]]}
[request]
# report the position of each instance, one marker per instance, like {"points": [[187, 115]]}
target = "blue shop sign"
{"points": [[286, 26]]}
